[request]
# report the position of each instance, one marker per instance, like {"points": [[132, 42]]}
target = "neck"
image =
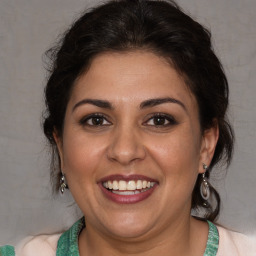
{"points": [[179, 238]]}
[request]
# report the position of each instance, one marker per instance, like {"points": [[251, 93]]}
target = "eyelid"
{"points": [[170, 118], [85, 119]]}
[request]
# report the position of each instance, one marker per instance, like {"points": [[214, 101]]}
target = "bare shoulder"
{"points": [[43, 245], [235, 244]]}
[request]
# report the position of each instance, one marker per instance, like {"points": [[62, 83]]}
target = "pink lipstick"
{"points": [[127, 189]]}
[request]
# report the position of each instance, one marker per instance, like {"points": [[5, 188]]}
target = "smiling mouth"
{"points": [[128, 188]]}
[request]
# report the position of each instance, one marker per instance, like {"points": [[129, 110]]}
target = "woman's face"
{"points": [[132, 146]]}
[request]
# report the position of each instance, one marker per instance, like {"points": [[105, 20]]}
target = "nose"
{"points": [[126, 146]]}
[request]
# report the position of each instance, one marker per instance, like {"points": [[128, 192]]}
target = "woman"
{"points": [[136, 117]]}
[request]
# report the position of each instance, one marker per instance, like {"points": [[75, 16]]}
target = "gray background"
{"points": [[27, 29]]}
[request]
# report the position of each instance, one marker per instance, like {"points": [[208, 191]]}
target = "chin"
{"points": [[128, 232], [130, 227]]}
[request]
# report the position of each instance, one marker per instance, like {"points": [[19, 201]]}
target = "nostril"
{"points": [[126, 157], [126, 149]]}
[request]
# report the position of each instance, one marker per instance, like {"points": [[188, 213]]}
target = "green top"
{"points": [[7, 251], [68, 242]]}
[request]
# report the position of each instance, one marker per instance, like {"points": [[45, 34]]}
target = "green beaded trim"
{"points": [[213, 240], [7, 250], [68, 242]]}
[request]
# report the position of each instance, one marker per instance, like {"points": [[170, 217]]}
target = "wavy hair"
{"points": [[160, 27]]}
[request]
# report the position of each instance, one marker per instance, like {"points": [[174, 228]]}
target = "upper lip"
{"points": [[118, 177]]}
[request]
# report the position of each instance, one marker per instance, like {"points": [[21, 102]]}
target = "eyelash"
{"points": [[85, 120], [164, 117]]}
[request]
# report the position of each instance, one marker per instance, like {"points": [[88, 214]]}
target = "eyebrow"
{"points": [[158, 101], [98, 103], [145, 104]]}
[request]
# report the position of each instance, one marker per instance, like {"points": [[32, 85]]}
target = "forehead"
{"points": [[127, 76]]}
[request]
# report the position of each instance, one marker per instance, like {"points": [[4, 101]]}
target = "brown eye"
{"points": [[161, 120], [95, 120]]}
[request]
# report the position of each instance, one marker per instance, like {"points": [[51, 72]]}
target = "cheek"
{"points": [[177, 155], [81, 154], [178, 162]]}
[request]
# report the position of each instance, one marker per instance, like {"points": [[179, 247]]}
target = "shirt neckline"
{"points": [[212, 241], [68, 241]]}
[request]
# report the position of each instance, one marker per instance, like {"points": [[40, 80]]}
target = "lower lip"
{"points": [[127, 199]]}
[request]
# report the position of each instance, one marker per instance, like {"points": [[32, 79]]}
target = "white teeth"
{"points": [[128, 193], [139, 184], [131, 185], [110, 185], [115, 185], [122, 185], [105, 184], [126, 186]]}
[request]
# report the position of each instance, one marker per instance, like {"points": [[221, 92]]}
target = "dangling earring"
{"points": [[205, 186], [63, 184]]}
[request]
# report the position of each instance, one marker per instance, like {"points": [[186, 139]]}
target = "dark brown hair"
{"points": [[157, 26]]}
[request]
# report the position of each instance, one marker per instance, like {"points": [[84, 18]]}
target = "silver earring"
{"points": [[205, 186], [63, 184]]}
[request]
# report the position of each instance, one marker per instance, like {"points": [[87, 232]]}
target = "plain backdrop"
{"points": [[27, 29]]}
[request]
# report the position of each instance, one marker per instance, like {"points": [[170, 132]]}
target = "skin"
{"points": [[129, 140]]}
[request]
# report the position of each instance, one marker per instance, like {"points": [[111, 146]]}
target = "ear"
{"points": [[208, 145], [58, 141]]}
